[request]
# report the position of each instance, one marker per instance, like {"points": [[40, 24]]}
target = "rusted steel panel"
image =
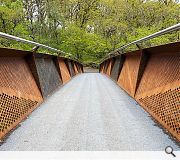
{"points": [[31, 62], [19, 93], [71, 68], [117, 66], [144, 57], [173, 48], [106, 66], [64, 70], [160, 71], [100, 68], [109, 68], [56, 60], [79, 67], [128, 75], [75, 68], [82, 68], [164, 107], [152, 77], [24, 78], [4, 52], [103, 66], [16, 75], [159, 91], [49, 78]]}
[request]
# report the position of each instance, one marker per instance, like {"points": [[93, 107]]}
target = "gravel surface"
{"points": [[90, 113], [90, 70]]}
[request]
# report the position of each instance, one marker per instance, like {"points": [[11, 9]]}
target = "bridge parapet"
{"points": [[152, 77], [26, 79]]}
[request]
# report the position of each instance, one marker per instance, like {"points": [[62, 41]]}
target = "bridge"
{"points": [[52, 103]]}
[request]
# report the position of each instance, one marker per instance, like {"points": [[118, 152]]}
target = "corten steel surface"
{"points": [[117, 66], [109, 68], [64, 71], [75, 68], [103, 66], [152, 77], [19, 93], [100, 68], [24, 78], [142, 65], [79, 67], [128, 75], [71, 68], [82, 68], [4, 52], [106, 66], [49, 78], [159, 92], [89, 113]]}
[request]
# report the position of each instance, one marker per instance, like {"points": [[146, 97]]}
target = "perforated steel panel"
{"points": [[160, 71], [152, 77], [13, 109], [23, 77], [19, 93], [166, 108]]}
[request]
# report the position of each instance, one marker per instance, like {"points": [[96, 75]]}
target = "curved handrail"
{"points": [[162, 32], [11, 37]]}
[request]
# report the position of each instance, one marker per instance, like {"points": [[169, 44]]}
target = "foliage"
{"points": [[87, 30]]}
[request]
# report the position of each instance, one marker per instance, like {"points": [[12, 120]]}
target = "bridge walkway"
{"points": [[89, 113]]}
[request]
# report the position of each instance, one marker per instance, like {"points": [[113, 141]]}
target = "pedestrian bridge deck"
{"points": [[90, 112]]}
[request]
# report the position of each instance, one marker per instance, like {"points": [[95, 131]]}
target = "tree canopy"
{"points": [[87, 29]]}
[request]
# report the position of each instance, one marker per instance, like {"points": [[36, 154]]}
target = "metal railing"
{"points": [[11, 37], [162, 32]]}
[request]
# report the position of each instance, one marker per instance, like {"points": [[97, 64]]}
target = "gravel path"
{"points": [[89, 113]]}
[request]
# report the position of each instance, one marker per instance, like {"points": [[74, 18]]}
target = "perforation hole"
{"points": [[166, 106], [13, 108]]}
